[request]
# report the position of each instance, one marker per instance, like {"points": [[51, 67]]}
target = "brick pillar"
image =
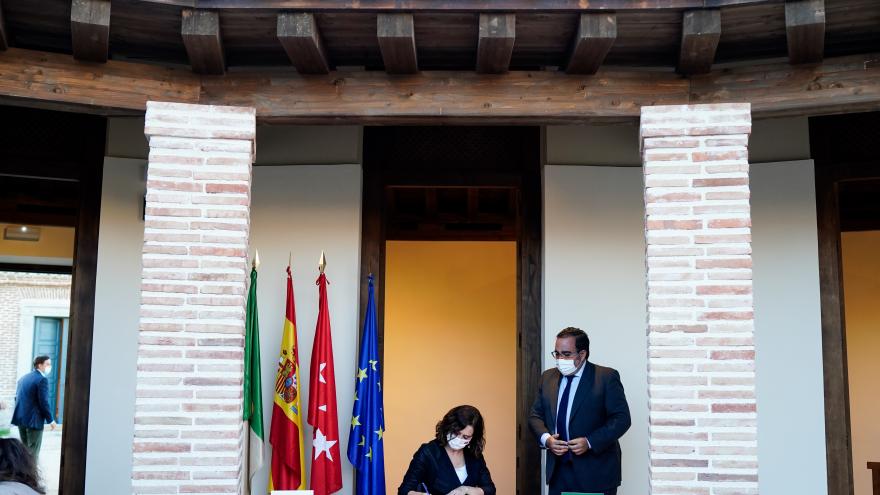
{"points": [[701, 353], [188, 427]]}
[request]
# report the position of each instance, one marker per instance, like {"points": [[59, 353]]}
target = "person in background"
{"points": [[18, 469], [32, 410], [452, 463], [578, 416]]}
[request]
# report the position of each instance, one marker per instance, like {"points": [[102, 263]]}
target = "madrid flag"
{"points": [[286, 433], [326, 461]]}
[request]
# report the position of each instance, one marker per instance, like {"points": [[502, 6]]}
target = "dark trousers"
{"points": [[32, 439], [565, 479]]}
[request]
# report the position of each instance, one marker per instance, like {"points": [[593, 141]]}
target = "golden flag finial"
{"points": [[322, 263], [257, 259]]}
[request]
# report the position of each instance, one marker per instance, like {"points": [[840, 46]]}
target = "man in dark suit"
{"points": [[578, 416], [32, 410]]}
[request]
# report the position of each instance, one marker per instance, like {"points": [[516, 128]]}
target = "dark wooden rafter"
{"points": [[700, 34], [4, 44], [595, 35], [90, 29], [774, 89], [495, 44], [201, 36], [454, 5], [805, 30], [397, 41], [299, 35]]}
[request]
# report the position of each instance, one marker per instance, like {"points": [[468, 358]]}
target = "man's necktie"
{"points": [[562, 416]]}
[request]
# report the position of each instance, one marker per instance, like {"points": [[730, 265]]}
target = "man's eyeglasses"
{"points": [[564, 354]]}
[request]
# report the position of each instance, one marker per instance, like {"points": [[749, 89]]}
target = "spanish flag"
{"points": [[286, 435]]}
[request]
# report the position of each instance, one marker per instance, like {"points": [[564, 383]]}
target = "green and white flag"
{"points": [[253, 400]]}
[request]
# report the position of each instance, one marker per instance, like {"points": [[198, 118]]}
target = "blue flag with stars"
{"points": [[366, 450]]}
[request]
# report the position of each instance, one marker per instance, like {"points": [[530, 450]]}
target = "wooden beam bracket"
{"points": [[495, 44], [298, 34], [700, 34], [595, 35], [805, 30], [90, 29], [397, 41], [201, 37]]}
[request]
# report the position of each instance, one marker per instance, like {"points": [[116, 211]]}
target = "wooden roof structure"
{"points": [[455, 61]]}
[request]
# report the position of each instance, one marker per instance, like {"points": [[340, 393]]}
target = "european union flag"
{"points": [[366, 450]]}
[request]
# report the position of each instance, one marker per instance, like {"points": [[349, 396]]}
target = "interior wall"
{"points": [[594, 279], [450, 339], [276, 145], [772, 140], [788, 329], [861, 290], [115, 333], [55, 247], [296, 210]]}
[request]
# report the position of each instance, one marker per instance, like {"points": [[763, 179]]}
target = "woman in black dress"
{"points": [[452, 463]]}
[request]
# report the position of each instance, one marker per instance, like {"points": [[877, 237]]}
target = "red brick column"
{"points": [[701, 362], [188, 427]]}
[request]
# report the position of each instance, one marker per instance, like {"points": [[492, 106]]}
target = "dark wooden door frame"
{"points": [[74, 436], [529, 273], [833, 167], [53, 147]]}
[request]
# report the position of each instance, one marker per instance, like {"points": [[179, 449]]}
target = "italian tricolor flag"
{"points": [[253, 401]]}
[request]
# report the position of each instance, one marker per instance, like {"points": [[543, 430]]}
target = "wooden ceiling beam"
{"points": [[595, 35], [90, 29], [495, 43], [201, 37], [299, 35], [456, 5], [805, 30], [4, 42], [397, 42], [700, 33], [31, 78], [774, 89]]}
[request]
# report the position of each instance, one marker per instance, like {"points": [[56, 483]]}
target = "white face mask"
{"points": [[566, 366], [456, 442]]}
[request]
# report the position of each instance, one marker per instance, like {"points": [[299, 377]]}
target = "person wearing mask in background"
{"points": [[452, 463], [32, 410], [18, 469], [578, 416]]}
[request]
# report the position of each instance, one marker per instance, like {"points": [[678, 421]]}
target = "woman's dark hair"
{"points": [[459, 418], [17, 464]]}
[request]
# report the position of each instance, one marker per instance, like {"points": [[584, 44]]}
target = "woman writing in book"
{"points": [[452, 463]]}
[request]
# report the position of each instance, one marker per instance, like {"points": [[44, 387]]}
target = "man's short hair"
{"points": [[581, 340], [40, 360]]}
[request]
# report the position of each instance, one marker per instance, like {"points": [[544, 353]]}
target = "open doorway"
{"points": [[50, 188], [860, 260], [452, 232], [848, 226]]}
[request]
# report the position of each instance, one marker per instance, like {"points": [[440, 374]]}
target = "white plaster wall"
{"points": [[594, 278], [788, 329], [296, 209], [114, 348], [299, 211]]}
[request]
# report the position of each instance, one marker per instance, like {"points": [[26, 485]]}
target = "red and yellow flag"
{"points": [[286, 434]]}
